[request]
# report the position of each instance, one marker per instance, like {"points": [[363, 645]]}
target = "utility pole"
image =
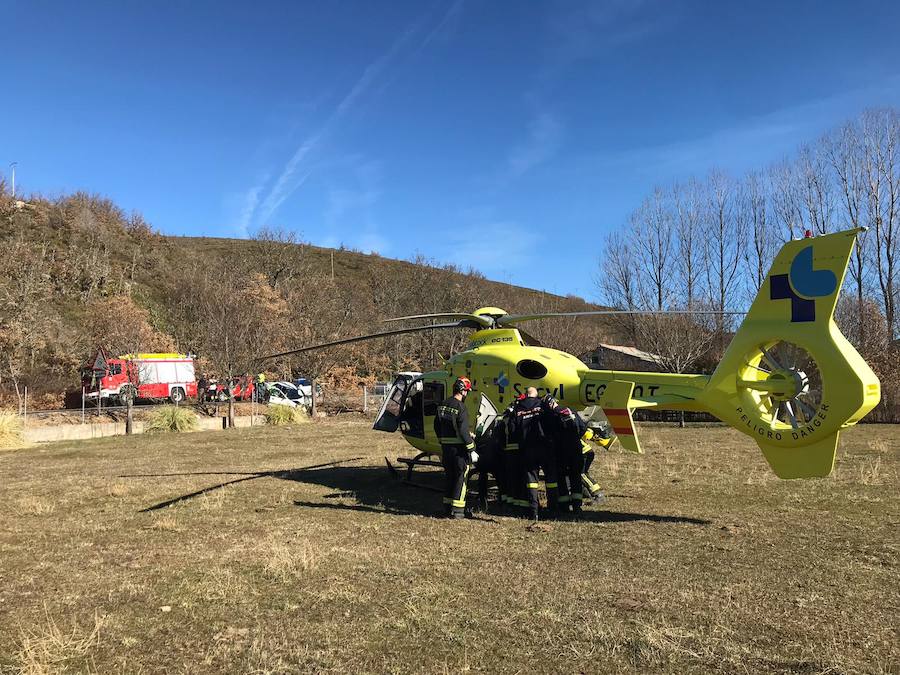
{"points": [[12, 168]]}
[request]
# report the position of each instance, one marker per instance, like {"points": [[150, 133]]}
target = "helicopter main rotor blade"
{"points": [[480, 320], [510, 319], [360, 338]]}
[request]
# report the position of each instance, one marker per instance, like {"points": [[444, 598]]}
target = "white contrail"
{"points": [[288, 182], [251, 200]]}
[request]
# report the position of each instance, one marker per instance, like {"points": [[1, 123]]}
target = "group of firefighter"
{"points": [[534, 435]]}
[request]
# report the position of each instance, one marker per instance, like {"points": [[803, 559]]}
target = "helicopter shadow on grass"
{"points": [[374, 491], [369, 486]]}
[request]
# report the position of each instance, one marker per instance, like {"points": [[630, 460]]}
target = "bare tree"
{"points": [[761, 238], [279, 254], [688, 200], [130, 333], [881, 168], [786, 201], [653, 226], [845, 151], [677, 341], [616, 280], [320, 312], [722, 245], [24, 290], [815, 187], [230, 321]]}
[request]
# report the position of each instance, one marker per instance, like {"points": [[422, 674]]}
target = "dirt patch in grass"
{"points": [[225, 552]]}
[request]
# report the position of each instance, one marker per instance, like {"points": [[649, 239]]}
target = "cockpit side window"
{"points": [[396, 400], [432, 397]]}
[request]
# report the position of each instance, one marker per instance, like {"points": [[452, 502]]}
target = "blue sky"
{"points": [[504, 135]]}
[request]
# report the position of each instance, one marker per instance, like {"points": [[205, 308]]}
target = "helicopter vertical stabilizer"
{"points": [[618, 406], [789, 378]]}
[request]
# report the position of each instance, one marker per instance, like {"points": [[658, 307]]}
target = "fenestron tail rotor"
{"points": [[785, 383]]}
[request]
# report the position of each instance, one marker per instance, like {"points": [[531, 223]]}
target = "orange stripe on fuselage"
{"points": [[615, 411]]}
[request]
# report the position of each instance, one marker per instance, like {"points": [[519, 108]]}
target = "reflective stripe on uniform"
{"points": [[551, 486], [461, 502], [531, 486], [589, 484]]}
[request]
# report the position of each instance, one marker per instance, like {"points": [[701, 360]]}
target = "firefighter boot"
{"points": [[576, 510]]}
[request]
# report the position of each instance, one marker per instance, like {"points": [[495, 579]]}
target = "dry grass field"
{"points": [[700, 561]]}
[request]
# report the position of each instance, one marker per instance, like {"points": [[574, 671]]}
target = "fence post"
{"points": [[25, 409], [82, 405], [365, 400]]}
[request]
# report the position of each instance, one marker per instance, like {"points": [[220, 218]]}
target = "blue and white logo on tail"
{"points": [[802, 285]]}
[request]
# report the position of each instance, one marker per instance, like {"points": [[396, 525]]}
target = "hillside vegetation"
{"points": [[79, 272]]}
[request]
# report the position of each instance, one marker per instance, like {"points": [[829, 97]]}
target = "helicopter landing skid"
{"points": [[411, 464]]}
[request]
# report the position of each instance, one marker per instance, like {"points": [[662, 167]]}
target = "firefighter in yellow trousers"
{"points": [[589, 487]]}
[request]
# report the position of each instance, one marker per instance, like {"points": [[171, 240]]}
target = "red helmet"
{"points": [[461, 385]]}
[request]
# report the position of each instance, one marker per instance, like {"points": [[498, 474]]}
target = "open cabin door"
{"points": [[391, 413], [487, 415]]}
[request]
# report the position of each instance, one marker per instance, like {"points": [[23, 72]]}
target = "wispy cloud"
{"points": [[584, 31], [756, 141], [250, 202], [446, 26], [545, 134], [296, 171], [576, 32]]}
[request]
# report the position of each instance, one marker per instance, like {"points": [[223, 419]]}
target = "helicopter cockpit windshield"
{"points": [[402, 407]]}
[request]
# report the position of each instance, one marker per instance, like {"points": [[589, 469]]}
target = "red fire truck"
{"points": [[139, 376]]}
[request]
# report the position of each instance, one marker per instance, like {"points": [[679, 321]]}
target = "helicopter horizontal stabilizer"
{"points": [[810, 461], [618, 405]]}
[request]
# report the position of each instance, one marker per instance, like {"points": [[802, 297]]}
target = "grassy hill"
{"points": [[79, 272]]}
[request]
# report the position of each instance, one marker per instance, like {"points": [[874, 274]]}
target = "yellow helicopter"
{"points": [[789, 379]]}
